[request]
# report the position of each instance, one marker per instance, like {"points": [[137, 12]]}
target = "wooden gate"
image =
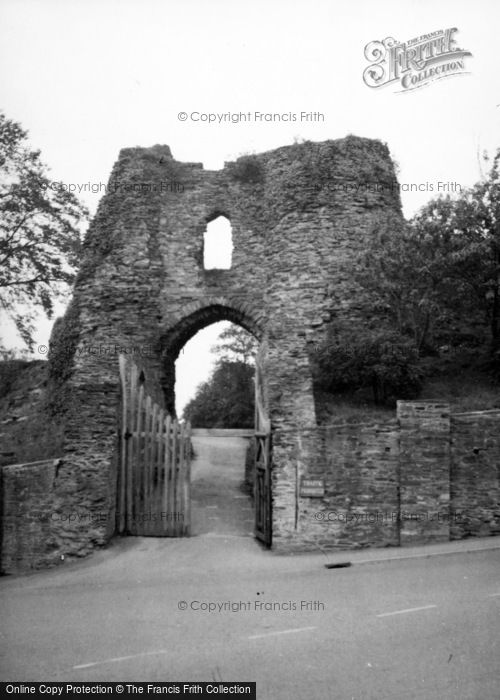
{"points": [[263, 485], [154, 476]]}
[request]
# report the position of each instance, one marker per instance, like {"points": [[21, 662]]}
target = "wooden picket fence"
{"points": [[154, 476]]}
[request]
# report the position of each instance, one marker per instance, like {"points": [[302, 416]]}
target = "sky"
{"points": [[87, 78]]}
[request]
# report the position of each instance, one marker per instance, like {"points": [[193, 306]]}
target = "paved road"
{"points": [[422, 628]]}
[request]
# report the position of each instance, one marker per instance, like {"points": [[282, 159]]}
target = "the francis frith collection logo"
{"points": [[416, 62]]}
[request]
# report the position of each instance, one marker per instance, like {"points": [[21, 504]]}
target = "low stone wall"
{"points": [[352, 472], [27, 503], [424, 471], [359, 474], [42, 520], [427, 476], [475, 474]]}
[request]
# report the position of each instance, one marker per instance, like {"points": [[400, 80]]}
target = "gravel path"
{"points": [[219, 506]]}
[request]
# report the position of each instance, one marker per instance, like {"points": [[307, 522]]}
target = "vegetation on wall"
{"points": [[247, 170]]}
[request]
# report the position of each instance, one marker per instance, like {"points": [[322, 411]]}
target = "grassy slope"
{"points": [[458, 381]]}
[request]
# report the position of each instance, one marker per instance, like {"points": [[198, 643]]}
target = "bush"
{"points": [[385, 362], [247, 170], [9, 372]]}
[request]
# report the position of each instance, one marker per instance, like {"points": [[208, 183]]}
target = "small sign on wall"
{"points": [[312, 488]]}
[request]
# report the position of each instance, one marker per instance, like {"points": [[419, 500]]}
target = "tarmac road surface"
{"points": [[217, 606]]}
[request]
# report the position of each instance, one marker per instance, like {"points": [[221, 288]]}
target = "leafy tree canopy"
{"points": [[227, 399], [431, 282], [382, 361], [438, 275], [236, 344], [39, 232]]}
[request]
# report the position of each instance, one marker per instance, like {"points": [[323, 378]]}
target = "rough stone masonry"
{"points": [[298, 215]]}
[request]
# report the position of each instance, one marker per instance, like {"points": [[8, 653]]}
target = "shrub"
{"points": [[9, 372], [385, 362], [247, 170]]}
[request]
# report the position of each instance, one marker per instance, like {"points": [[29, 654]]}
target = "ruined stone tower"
{"points": [[298, 214]]}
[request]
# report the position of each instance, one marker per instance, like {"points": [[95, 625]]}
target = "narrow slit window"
{"points": [[218, 245]]}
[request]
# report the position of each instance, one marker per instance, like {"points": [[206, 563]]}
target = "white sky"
{"points": [[87, 78]]}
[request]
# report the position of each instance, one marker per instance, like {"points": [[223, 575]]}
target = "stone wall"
{"points": [[424, 471], [358, 464], [38, 526], [426, 477], [27, 501], [475, 474], [42, 523]]}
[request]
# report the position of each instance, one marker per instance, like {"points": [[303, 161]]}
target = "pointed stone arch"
{"points": [[203, 313], [194, 318]]}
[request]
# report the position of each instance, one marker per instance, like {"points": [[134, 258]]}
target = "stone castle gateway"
{"points": [[298, 216]]}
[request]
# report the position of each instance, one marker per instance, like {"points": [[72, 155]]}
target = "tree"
{"points": [[237, 344], [435, 278], [384, 361], [403, 274], [226, 400], [474, 225], [438, 275], [464, 237], [39, 232]]}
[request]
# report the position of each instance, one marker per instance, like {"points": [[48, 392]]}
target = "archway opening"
{"points": [[215, 391], [214, 377]]}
